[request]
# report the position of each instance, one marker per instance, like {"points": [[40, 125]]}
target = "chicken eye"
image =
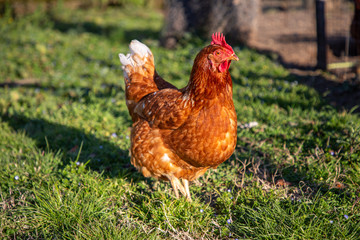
{"points": [[217, 53]]}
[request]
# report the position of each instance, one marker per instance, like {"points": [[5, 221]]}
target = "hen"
{"points": [[180, 133]]}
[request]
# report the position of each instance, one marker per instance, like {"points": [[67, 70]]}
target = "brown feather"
{"points": [[181, 132]]}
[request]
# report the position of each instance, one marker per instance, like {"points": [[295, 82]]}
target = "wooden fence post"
{"points": [[321, 35]]}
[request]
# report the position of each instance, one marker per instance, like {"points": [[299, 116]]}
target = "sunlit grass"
{"points": [[64, 138]]}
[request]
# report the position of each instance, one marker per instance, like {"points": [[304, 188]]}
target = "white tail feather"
{"points": [[137, 57], [126, 60], [137, 47]]}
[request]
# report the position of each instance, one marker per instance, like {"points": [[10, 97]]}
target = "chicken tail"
{"points": [[139, 70], [140, 60]]}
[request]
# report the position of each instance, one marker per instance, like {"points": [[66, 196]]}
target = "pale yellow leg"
{"points": [[176, 184], [187, 191], [173, 184], [180, 186]]}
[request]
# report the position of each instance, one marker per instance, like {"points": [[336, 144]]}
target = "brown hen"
{"points": [[180, 133]]}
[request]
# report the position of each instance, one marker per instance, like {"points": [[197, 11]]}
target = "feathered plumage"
{"points": [[180, 133]]}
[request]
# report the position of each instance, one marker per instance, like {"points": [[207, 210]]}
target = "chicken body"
{"points": [[179, 133]]}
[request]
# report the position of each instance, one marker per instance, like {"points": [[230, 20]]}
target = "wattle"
{"points": [[224, 66]]}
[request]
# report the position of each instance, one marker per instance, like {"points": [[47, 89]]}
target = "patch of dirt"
{"points": [[291, 35]]}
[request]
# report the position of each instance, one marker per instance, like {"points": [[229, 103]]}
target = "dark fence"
{"points": [[331, 45]]}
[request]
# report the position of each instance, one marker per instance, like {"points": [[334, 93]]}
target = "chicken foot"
{"points": [[184, 189]]}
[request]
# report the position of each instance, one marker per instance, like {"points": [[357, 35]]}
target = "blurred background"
{"points": [[280, 26], [302, 35]]}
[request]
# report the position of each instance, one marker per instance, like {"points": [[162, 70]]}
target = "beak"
{"points": [[233, 57]]}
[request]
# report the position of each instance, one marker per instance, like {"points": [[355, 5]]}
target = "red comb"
{"points": [[219, 38]]}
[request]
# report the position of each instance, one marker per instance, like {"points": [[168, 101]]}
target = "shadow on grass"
{"points": [[298, 178], [341, 95], [281, 101], [110, 32], [103, 156], [338, 93]]}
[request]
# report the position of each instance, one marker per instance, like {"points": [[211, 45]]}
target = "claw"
{"points": [[184, 189]]}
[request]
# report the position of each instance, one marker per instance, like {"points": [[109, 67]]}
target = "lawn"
{"points": [[65, 169]]}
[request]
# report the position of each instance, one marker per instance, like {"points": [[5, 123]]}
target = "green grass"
{"points": [[64, 139]]}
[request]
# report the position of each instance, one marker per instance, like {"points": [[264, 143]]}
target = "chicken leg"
{"points": [[184, 189], [187, 191]]}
